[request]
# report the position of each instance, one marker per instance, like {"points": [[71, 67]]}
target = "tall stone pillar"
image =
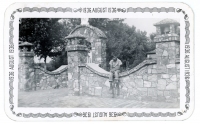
{"points": [[77, 55], [168, 54], [26, 67]]}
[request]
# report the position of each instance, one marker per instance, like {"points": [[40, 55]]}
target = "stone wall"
{"points": [[50, 80], [141, 83], [153, 79], [91, 83], [148, 84]]}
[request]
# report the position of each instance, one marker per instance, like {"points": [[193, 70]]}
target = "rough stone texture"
{"points": [[166, 76], [98, 91], [147, 84], [165, 53], [142, 91], [171, 66], [139, 85], [26, 71], [50, 81], [152, 91], [171, 86], [171, 95], [75, 58], [162, 69], [160, 93], [139, 82], [161, 84], [91, 91], [152, 77], [173, 78], [97, 85], [153, 84], [145, 77], [98, 43], [153, 71]]}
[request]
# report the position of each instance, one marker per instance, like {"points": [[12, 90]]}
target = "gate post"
{"points": [[168, 58], [77, 54], [26, 67]]}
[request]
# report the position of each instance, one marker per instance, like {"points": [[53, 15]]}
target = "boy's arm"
{"points": [[116, 68]]}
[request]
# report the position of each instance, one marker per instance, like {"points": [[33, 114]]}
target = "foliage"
{"points": [[48, 37], [57, 61], [43, 33], [130, 44], [47, 34], [152, 35]]}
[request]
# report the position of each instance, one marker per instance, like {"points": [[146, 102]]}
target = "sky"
{"points": [[143, 24]]}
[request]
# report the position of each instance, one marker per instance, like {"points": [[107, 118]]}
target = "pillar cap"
{"points": [[167, 22], [167, 38], [26, 54], [26, 47], [75, 36], [76, 48], [26, 44]]}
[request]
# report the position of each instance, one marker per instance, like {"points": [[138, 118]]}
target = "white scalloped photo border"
{"points": [[120, 114]]}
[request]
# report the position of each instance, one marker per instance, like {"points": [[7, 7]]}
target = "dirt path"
{"points": [[59, 98]]}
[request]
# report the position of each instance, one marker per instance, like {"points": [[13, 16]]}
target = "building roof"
{"points": [[97, 31], [167, 21], [26, 44]]}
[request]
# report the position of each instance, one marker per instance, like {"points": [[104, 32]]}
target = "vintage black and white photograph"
{"points": [[114, 61], [99, 62]]}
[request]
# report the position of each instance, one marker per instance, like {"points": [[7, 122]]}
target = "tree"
{"points": [[56, 62], [48, 37], [152, 36], [130, 45], [47, 34], [44, 33]]}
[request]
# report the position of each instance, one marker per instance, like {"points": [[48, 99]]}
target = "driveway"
{"points": [[59, 98]]}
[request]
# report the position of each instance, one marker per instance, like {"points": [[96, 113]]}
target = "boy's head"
{"points": [[114, 57]]}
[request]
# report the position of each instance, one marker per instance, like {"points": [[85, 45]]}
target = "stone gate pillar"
{"points": [[168, 54], [26, 67], [77, 54]]}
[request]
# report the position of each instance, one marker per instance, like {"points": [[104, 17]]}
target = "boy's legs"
{"points": [[117, 75], [117, 81], [111, 79]]}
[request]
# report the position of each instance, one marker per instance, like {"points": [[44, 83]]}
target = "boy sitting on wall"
{"points": [[115, 64]]}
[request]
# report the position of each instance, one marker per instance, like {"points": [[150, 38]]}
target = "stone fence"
{"points": [[50, 79], [146, 81], [143, 82]]}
